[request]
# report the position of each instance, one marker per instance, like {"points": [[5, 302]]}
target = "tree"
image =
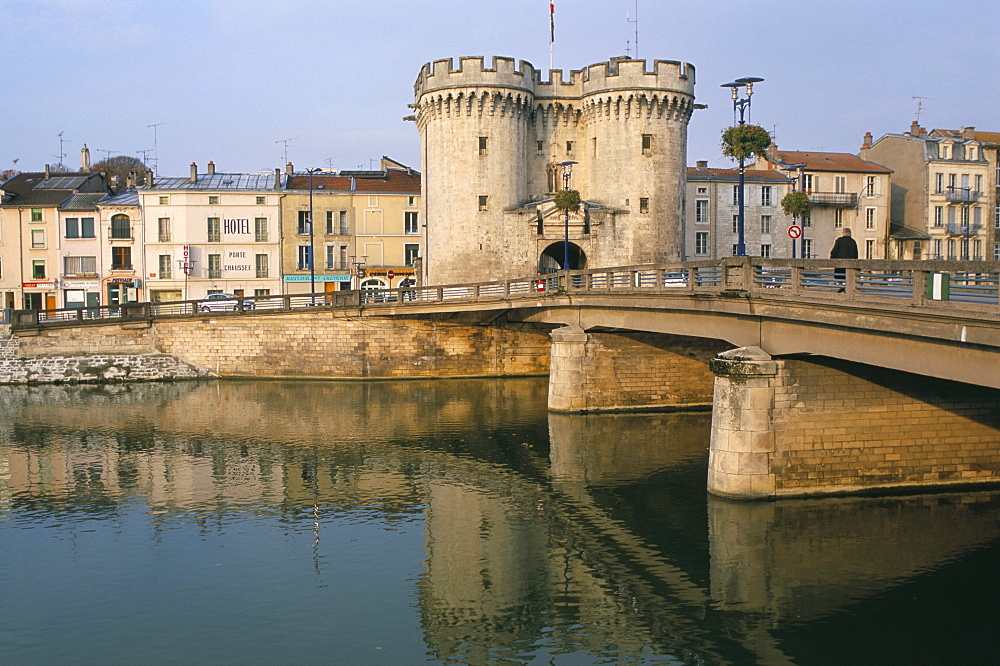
{"points": [[741, 142], [795, 203], [119, 167], [567, 200]]}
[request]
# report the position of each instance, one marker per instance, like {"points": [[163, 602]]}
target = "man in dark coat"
{"points": [[844, 248]]}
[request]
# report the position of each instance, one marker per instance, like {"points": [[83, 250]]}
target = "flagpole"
{"points": [[552, 30]]}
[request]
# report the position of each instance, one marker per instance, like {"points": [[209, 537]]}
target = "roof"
{"points": [[816, 161], [126, 198], [696, 173], [391, 180], [82, 201], [218, 181], [34, 189], [982, 137], [902, 233]]}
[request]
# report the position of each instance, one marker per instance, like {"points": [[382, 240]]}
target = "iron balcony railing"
{"points": [[847, 199], [961, 195]]}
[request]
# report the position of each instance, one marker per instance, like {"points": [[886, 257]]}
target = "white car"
{"points": [[217, 302]]}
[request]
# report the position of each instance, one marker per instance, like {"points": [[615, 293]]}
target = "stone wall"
{"points": [[785, 427], [626, 371]]}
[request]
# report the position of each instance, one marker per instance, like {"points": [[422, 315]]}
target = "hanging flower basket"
{"points": [[567, 200], [795, 203], [744, 141]]}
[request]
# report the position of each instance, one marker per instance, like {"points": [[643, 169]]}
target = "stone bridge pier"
{"points": [[814, 425]]}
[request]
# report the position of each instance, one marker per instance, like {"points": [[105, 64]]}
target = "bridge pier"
{"points": [[628, 371], [814, 425]]}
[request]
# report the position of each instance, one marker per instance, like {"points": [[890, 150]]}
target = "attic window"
{"points": [[320, 187], [227, 182]]}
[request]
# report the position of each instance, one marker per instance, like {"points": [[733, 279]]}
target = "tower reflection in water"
{"points": [[543, 533]]}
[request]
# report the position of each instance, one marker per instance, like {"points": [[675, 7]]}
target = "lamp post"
{"points": [[312, 246], [742, 106], [567, 171]]}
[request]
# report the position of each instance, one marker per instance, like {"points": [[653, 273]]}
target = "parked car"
{"points": [[217, 302]]}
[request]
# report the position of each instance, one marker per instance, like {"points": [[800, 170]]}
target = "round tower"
{"points": [[498, 142]]}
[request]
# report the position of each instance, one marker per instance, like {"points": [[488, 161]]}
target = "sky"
{"points": [[326, 83]]}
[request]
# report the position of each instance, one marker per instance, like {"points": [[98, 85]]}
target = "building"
{"points": [[939, 188], [367, 228], [845, 190], [497, 143], [48, 227], [212, 233], [710, 229]]}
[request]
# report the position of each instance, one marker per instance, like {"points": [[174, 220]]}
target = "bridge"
{"points": [[823, 376]]}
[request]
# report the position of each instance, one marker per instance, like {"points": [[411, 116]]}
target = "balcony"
{"points": [[840, 199], [956, 229], [961, 195]]}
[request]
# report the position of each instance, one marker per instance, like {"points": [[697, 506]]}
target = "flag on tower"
{"points": [[552, 21]]}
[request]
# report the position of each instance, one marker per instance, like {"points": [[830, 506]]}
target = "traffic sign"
{"points": [[794, 231], [390, 274]]}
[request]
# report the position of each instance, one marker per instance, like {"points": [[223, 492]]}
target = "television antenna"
{"points": [[286, 142], [62, 153], [109, 153], [156, 154], [920, 105], [636, 22]]}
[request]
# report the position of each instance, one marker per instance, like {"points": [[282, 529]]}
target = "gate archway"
{"points": [[553, 256]]}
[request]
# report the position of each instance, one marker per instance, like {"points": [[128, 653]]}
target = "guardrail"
{"points": [[904, 283]]}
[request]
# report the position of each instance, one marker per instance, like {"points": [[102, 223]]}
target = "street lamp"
{"points": [[312, 247], [741, 105], [800, 176], [567, 171]]}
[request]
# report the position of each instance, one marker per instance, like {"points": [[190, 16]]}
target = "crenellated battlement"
{"points": [[603, 77]]}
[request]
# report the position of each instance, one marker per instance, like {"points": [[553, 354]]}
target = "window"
{"points": [[121, 258], [214, 266], [482, 201], [343, 223], [260, 264], [343, 257], [736, 250], [840, 184], [163, 229], [261, 200], [213, 199], [38, 269], [593, 146], [870, 219], [938, 183], [869, 248], [951, 216], [765, 195], [807, 221], [410, 222], [838, 219], [701, 210], [736, 224], [945, 150], [917, 249], [938, 216], [952, 181], [965, 216], [951, 249], [37, 238], [996, 251], [411, 201], [330, 228], [214, 230], [539, 147], [643, 204], [80, 266], [938, 248], [164, 201], [569, 147], [121, 227], [996, 218], [765, 225], [483, 143], [977, 249], [765, 250], [736, 195], [165, 267], [261, 293], [702, 190], [809, 181], [72, 227], [87, 227], [36, 214], [331, 256], [410, 253], [871, 185], [807, 248], [701, 242], [647, 144], [305, 257], [979, 183], [303, 226]]}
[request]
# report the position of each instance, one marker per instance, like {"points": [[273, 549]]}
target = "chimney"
{"points": [[211, 168], [194, 173], [866, 145], [701, 164], [130, 182], [277, 179], [289, 169], [968, 133], [48, 172], [149, 177], [914, 129]]}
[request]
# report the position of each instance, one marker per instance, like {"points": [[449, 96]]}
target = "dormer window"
{"points": [[946, 151], [970, 151]]}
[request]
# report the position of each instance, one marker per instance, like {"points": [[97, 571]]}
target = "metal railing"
{"points": [[900, 284]]}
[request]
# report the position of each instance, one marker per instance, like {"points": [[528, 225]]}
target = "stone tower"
{"points": [[494, 143]]}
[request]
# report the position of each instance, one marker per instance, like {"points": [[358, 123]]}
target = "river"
{"points": [[454, 522]]}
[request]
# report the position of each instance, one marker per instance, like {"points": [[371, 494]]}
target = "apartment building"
{"points": [[944, 186], [712, 213]]}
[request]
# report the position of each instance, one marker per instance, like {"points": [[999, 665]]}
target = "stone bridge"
{"points": [[883, 376]]}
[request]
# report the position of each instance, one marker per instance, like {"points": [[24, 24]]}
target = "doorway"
{"points": [[554, 256]]}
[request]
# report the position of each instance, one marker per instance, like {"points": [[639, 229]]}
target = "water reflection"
{"points": [[538, 536]]}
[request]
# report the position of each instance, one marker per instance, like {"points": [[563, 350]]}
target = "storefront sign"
{"points": [[88, 284], [390, 273], [130, 281], [319, 278], [38, 285]]}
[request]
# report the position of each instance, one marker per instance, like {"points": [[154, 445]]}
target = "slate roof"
{"points": [[126, 198], [86, 201], [982, 137], [218, 182], [34, 189], [816, 161]]}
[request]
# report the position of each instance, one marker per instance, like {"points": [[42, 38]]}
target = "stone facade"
{"points": [[494, 140], [795, 427]]}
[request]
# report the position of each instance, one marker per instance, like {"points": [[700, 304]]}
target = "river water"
{"points": [[449, 522]]}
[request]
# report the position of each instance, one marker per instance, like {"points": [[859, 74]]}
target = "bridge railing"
{"points": [[906, 283]]}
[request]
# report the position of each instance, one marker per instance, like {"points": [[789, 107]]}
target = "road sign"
{"points": [[794, 231], [390, 274]]}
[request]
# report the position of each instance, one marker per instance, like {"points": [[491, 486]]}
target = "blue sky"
{"points": [[230, 80]]}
